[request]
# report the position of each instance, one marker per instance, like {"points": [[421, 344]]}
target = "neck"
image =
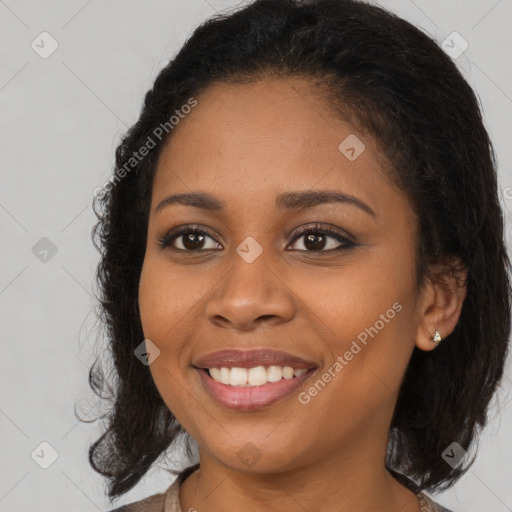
{"points": [[354, 480]]}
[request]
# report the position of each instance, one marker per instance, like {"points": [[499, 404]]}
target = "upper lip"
{"points": [[250, 359]]}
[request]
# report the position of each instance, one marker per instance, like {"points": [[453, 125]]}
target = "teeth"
{"points": [[238, 377], [288, 372], [275, 373], [215, 374], [257, 376], [224, 375]]}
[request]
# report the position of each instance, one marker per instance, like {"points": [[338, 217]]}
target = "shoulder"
{"points": [[154, 503], [167, 501], [429, 505]]}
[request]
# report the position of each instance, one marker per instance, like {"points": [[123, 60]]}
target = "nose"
{"points": [[249, 295]]}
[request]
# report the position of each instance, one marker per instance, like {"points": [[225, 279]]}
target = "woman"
{"points": [[303, 267]]}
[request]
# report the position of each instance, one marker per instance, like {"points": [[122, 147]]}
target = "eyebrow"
{"points": [[299, 200]]}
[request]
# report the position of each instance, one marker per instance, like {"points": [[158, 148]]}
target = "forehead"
{"points": [[256, 138]]}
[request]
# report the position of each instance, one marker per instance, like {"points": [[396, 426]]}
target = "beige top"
{"points": [[169, 501]]}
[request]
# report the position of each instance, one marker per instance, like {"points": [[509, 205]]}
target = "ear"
{"points": [[441, 304]]}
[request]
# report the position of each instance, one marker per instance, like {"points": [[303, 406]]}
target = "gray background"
{"points": [[59, 125]]}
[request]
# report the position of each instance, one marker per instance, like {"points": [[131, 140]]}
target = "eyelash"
{"points": [[168, 238]]}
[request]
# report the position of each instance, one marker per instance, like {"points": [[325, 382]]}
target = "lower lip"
{"points": [[249, 398]]}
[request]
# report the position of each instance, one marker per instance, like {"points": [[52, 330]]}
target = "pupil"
{"points": [[189, 242], [313, 242], [315, 245]]}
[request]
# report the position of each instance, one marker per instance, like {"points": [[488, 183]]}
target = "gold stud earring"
{"points": [[437, 338]]}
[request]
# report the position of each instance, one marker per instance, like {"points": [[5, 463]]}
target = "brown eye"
{"points": [[192, 240], [316, 239]]}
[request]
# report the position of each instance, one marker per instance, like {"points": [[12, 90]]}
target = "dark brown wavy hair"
{"points": [[395, 84]]}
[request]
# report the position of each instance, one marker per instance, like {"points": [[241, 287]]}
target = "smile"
{"points": [[251, 388]]}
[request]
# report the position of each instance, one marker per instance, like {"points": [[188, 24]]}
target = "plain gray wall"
{"points": [[60, 121]]}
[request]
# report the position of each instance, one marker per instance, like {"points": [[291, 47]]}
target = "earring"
{"points": [[437, 338]]}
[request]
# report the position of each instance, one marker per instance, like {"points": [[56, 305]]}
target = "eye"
{"points": [[316, 243], [192, 239]]}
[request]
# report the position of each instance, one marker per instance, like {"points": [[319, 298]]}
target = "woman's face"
{"points": [[348, 309]]}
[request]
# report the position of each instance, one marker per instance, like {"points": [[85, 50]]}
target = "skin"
{"points": [[244, 144]]}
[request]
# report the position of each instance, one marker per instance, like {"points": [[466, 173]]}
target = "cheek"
{"points": [[346, 302], [367, 317], [369, 326], [166, 310], [167, 301]]}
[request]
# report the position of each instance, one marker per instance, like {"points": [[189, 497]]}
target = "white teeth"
{"points": [[275, 373], [288, 372], [256, 376], [215, 373], [238, 377], [224, 375]]}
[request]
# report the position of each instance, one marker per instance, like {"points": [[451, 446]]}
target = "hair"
{"points": [[395, 84]]}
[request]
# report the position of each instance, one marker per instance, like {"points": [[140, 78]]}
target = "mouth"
{"points": [[251, 358], [253, 387], [248, 380], [245, 396]]}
